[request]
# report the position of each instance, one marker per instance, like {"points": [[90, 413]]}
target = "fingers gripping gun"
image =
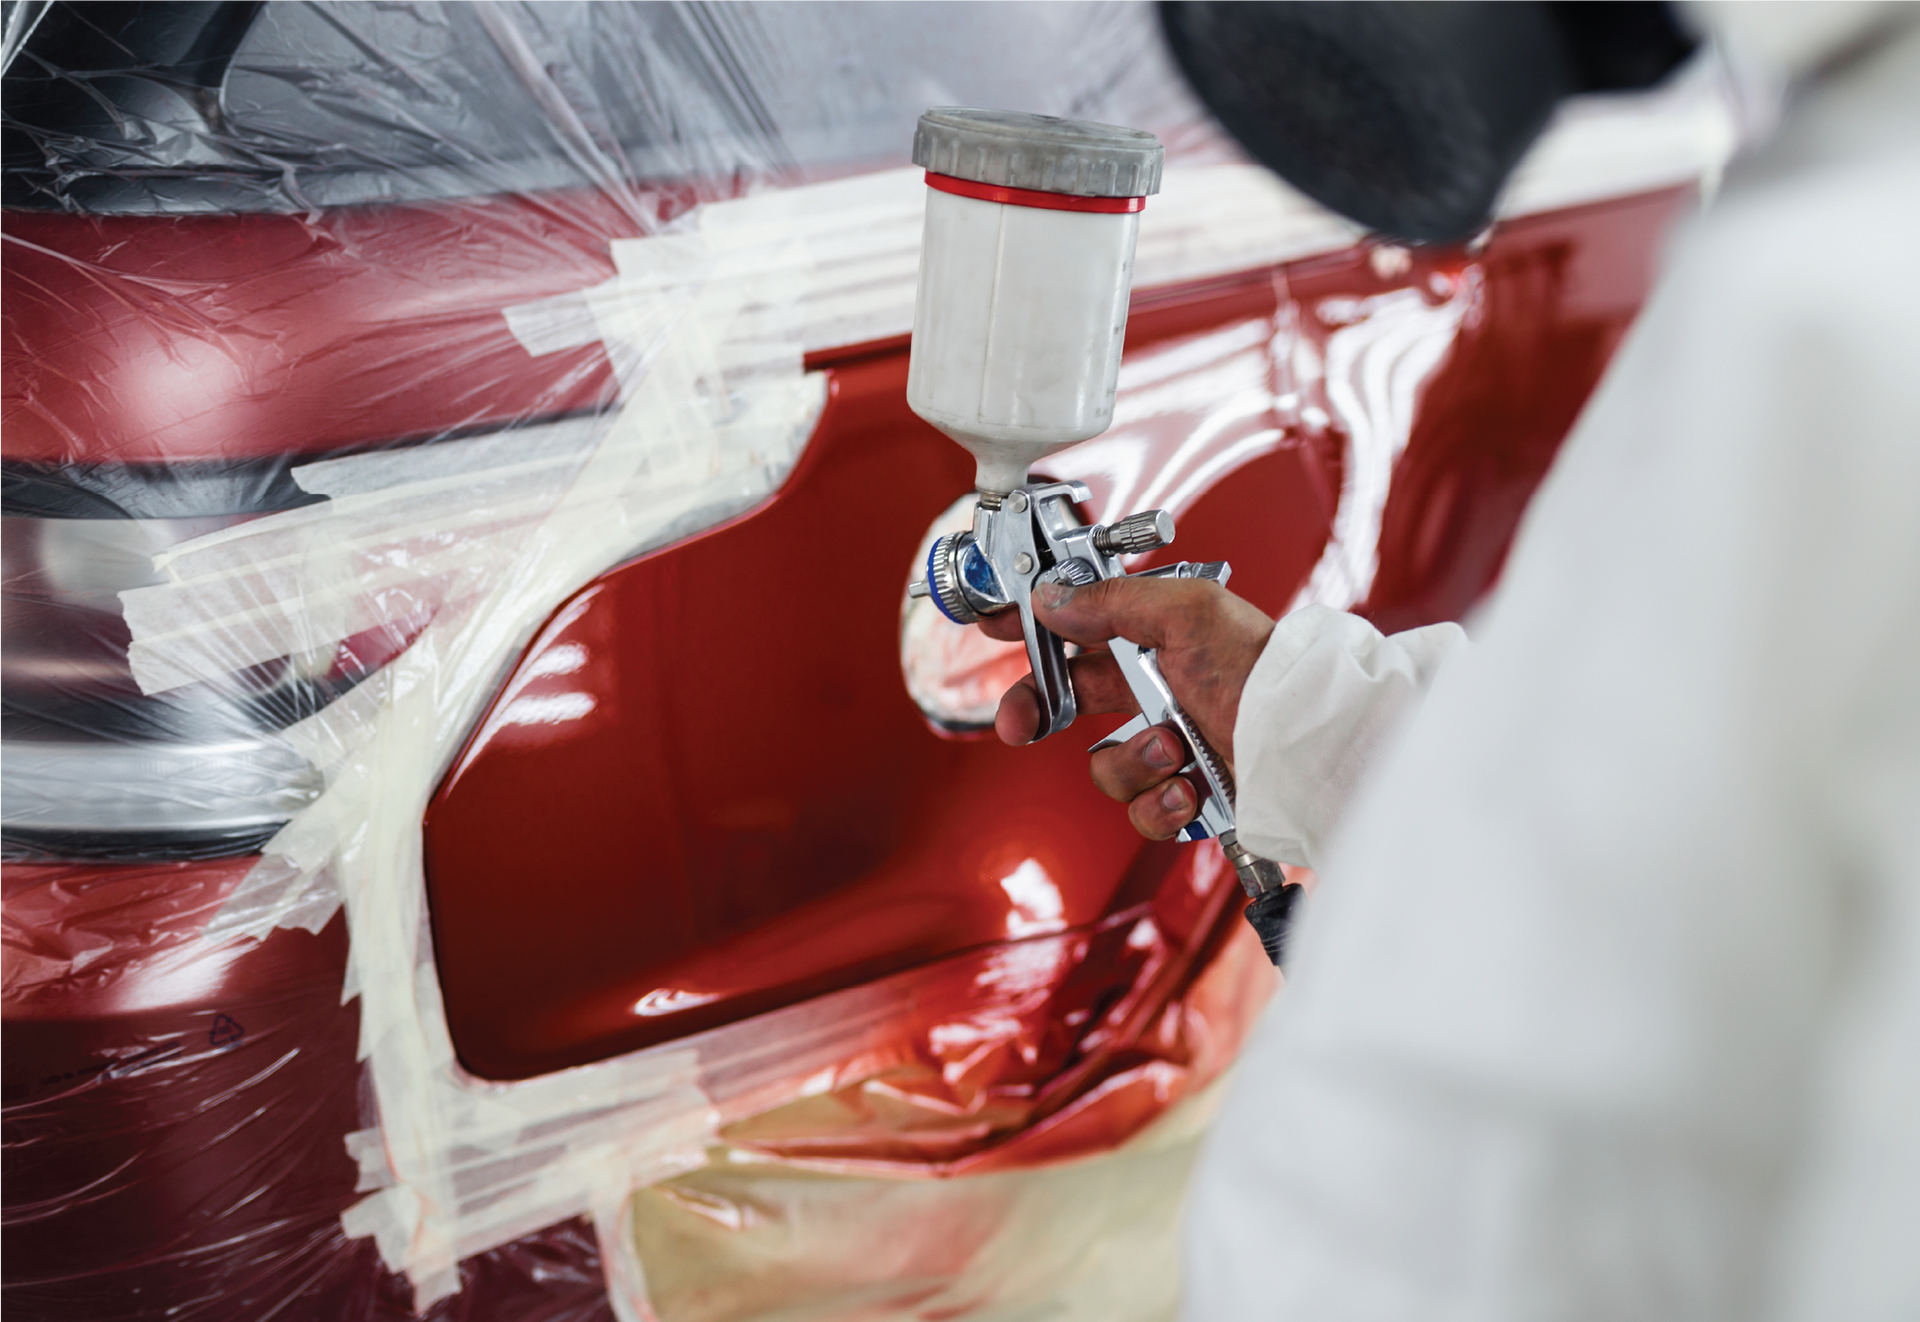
{"points": [[1029, 536]]}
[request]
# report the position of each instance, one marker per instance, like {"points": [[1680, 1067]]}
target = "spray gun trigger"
{"points": [[1139, 725], [1124, 733]]}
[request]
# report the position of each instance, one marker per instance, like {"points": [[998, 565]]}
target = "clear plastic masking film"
{"points": [[361, 360]]}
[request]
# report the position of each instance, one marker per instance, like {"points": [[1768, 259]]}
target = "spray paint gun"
{"points": [[1025, 271]]}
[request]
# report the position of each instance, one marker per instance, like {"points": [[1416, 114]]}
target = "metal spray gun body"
{"points": [[1028, 537], [1026, 266]]}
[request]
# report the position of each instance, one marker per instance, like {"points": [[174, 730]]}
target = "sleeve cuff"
{"points": [[1318, 708]]}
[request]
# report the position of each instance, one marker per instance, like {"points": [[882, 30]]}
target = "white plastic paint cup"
{"points": [[1022, 300]]}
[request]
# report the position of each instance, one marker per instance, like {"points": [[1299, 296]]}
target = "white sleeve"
{"points": [[1317, 711], [1608, 1006]]}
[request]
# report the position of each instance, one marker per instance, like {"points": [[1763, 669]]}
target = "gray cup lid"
{"points": [[1013, 149]]}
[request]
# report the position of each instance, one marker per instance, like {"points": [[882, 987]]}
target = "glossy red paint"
{"points": [[1017, 1053], [1560, 291], [743, 821], [740, 808]]}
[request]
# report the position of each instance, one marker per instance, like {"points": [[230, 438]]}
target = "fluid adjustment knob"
{"points": [[1149, 530], [961, 581]]}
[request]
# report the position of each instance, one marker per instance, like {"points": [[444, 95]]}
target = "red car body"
{"points": [[753, 806]]}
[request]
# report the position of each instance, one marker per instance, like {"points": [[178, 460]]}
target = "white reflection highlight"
{"points": [[1014, 985], [565, 659], [1037, 906], [1384, 351], [668, 1000], [1242, 452], [548, 709], [1204, 391], [517, 707]]}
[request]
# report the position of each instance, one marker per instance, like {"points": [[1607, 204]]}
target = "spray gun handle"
{"points": [[1017, 542], [1083, 555], [1270, 896], [1047, 659]]}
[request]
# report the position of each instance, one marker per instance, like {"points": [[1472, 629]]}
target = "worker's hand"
{"points": [[1208, 640]]}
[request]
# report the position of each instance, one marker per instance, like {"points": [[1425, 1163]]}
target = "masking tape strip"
{"points": [[861, 236], [483, 538]]}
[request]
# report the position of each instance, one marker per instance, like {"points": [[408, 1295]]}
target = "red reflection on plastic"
{"points": [[235, 336], [174, 1115]]}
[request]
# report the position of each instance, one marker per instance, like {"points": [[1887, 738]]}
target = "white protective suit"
{"points": [[1608, 1002]]}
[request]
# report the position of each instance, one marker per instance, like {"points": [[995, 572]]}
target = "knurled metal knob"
{"points": [[943, 577], [1149, 530]]}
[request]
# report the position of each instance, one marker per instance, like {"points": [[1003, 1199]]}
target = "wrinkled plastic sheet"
{"points": [[846, 1156]]}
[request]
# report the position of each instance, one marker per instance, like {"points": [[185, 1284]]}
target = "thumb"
{"points": [[1147, 611]]}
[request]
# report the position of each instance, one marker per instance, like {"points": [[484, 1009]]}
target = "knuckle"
{"points": [[1209, 600]]}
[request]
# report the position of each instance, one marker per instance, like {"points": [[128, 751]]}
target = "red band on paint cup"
{"points": [[1033, 197]]}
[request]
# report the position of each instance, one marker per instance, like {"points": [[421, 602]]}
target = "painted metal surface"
{"points": [[739, 807], [642, 842]]}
